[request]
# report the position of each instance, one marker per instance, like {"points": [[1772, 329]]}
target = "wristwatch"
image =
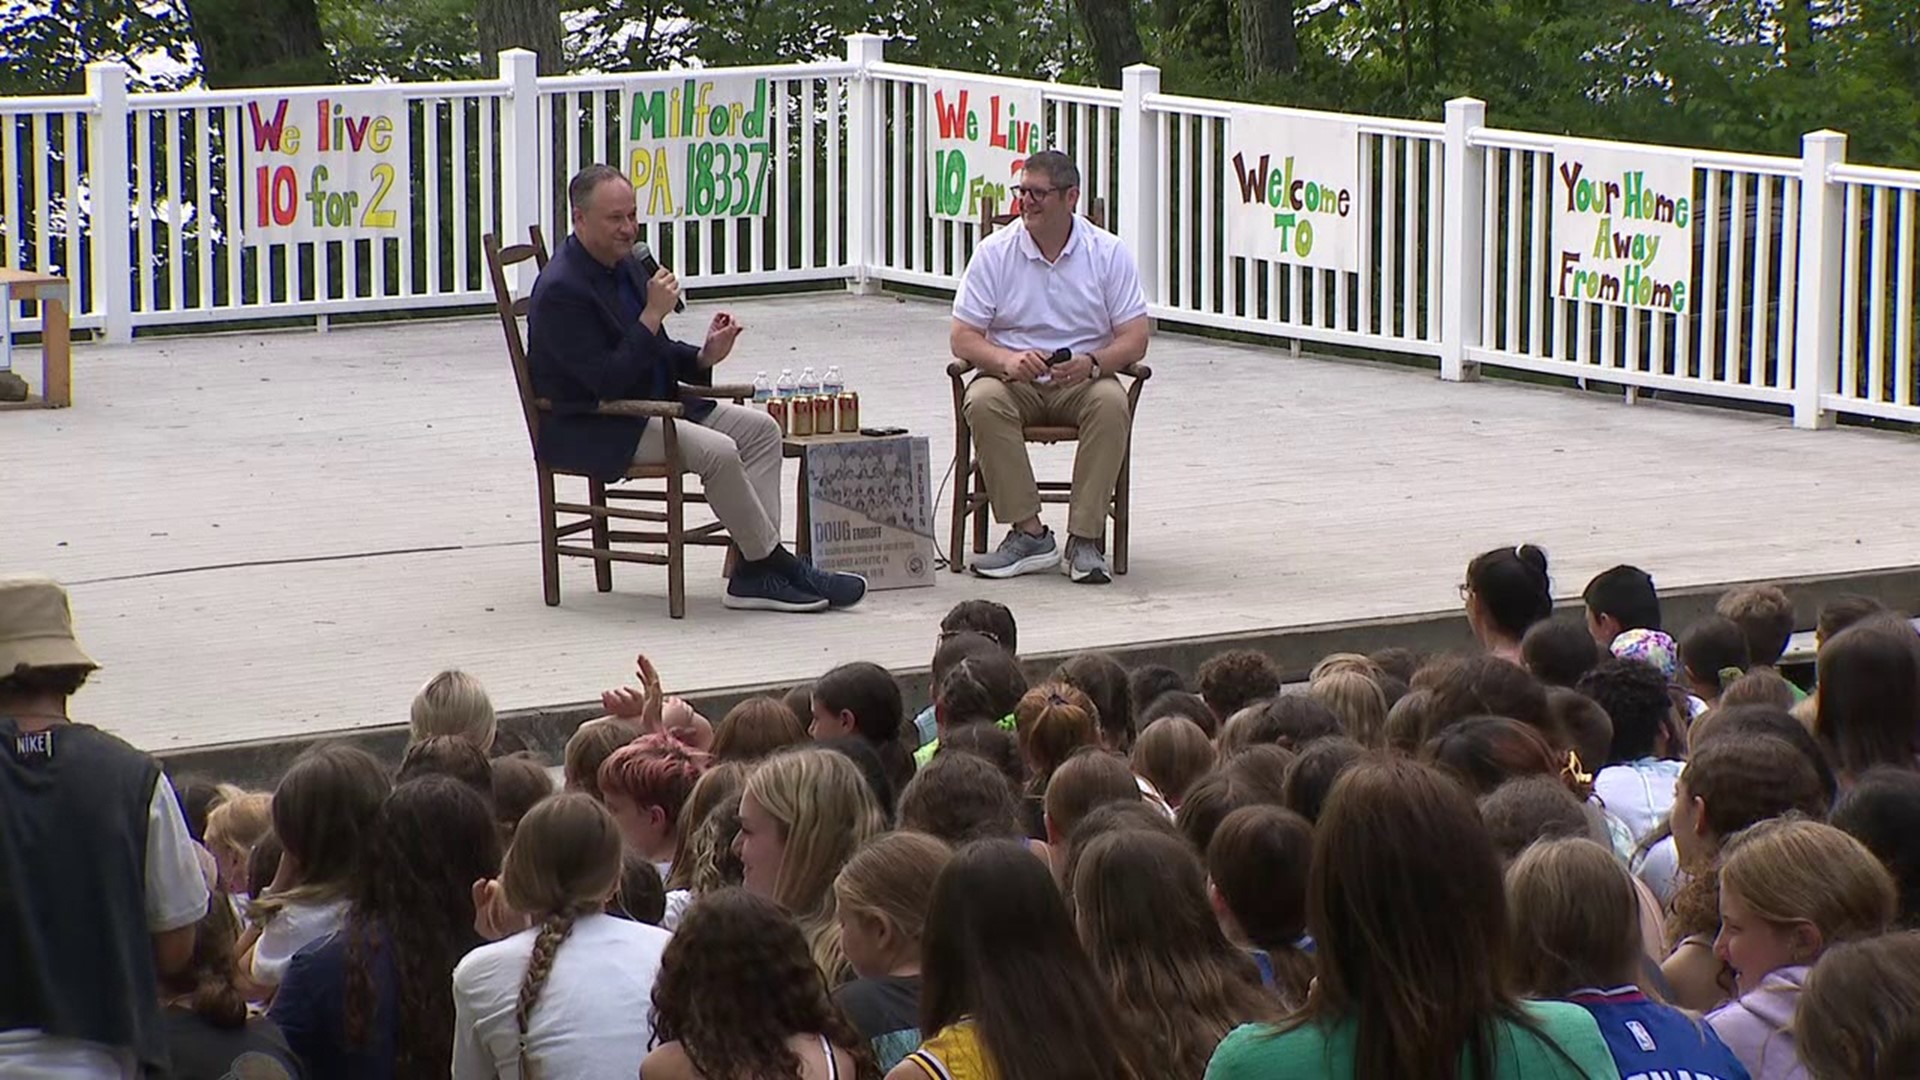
{"points": [[1096, 372]]}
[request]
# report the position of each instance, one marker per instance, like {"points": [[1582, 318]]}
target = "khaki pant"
{"points": [[996, 412], [736, 453]]}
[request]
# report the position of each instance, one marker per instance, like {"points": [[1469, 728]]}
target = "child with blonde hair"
{"points": [[803, 815], [453, 703], [569, 995], [1789, 889], [882, 896], [1576, 937], [1357, 700], [233, 827]]}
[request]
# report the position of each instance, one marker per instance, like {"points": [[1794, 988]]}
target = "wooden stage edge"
{"points": [[258, 763]]}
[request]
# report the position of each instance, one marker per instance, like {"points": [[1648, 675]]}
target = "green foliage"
{"points": [[47, 47], [1713, 73], [406, 40]]}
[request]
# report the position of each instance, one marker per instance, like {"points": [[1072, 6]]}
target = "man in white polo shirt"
{"points": [[1053, 281]]}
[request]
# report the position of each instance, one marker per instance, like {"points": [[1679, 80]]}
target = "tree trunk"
{"points": [[1268, 44], [1116, 40], [521, 24], [260, 42]]}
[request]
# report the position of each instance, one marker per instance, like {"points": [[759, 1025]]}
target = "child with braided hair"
{"points": [[565, 996]]}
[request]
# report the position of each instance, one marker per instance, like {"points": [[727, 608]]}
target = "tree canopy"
{"points": [[1736, 74]]}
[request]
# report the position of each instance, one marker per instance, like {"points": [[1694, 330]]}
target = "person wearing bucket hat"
{"points": [[97, 861]]}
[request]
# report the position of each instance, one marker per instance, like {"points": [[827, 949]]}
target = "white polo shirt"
{"points": [[1023, 302]]}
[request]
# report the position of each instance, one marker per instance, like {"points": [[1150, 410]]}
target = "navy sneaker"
{"points": [[841, 589], [762, 591]]}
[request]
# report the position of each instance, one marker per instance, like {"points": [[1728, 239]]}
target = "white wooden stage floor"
{"points": [[268, 534]]}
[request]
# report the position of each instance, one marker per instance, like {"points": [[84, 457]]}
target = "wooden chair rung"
{"points": [[597, 553]]}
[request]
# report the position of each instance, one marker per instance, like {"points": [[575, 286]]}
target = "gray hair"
{"points": [[1056, 167], [580, 189]]}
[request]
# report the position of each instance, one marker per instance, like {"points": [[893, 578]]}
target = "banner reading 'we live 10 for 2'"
{"points": [[324, 166], [698, 148], [977, 143]]}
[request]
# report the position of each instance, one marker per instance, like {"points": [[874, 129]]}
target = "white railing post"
{"points": [[111, 216], [1138, 220], [1463, 211], [1816, 305], [864, 152], [519, 164]]}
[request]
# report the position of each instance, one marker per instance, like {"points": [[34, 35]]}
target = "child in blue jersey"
{"points": [[1576, 937]]}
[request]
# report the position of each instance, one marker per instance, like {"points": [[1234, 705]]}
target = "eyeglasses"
{"points": [[1034, 194]]}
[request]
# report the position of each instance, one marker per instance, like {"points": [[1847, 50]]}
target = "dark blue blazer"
{"points": [[581, 351]]}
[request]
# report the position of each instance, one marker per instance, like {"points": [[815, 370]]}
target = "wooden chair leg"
{"points": [[980, 515], [676, 526], [962, 490], [602, 568], [549, 542], [1122, 512]]}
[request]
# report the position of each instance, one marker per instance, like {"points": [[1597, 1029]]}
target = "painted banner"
{"points": [[699, 148], [325, 166], [977, 144], [870, 509], [1622, 227], [1294, 192]]}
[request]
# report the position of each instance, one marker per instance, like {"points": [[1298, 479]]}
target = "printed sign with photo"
{"points": [[871, 511]]}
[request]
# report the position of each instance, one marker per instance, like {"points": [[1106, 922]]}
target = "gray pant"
{"points": [[736, 453]]}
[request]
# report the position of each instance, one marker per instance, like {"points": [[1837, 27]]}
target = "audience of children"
{"points": [[1538, 861]]}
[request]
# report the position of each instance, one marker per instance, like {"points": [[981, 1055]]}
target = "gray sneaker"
{"points": [[1019, 554], [1084, 562]]}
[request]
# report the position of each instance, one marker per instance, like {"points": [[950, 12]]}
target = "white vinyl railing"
{"points": [[1803, 282]]}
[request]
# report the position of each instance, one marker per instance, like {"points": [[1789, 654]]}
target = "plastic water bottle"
{"points": [[809, 382], [762, 388], [832, 383], [784, 388]]}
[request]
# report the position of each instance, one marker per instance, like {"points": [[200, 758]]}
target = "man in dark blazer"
{"points": [[595, 333]]}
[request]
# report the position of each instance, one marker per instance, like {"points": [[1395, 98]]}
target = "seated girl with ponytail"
{"points": [[1257, 865], [568, 996], [208, 1031], [1576, 937]]}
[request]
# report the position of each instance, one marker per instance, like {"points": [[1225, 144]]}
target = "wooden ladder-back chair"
{"points": [[561, 520], [969, 491]]}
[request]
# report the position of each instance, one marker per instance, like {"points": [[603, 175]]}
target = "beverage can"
{"points": [[801, 420], [777, 408], [849, 411], [822, 415]]}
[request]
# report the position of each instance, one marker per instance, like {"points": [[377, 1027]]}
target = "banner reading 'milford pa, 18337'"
{"points": [[1293, 189], [699, 148], [977, 143], [1622, 228], [325, 166]]}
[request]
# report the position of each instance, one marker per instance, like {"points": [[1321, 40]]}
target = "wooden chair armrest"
{"points": [[1137, 370], [959, 368], [736, 391], [656, 409]]}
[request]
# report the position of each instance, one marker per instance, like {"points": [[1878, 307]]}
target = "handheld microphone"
{"points": [[650, 266], [1060, 356]]}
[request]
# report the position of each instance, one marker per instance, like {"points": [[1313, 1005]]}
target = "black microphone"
{"points": [[1060, 356], [650, 266]]}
